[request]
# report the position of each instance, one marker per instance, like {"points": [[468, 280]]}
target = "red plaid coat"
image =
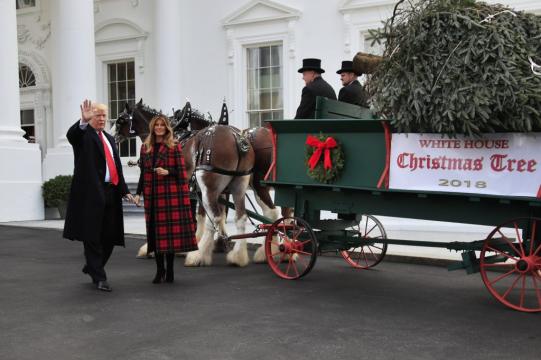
{"points": [[168, 198]]}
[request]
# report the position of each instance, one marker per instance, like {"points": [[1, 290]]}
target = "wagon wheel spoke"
{"points": [[374, 246], [364, 257], [506, 294], [371, 252], [305, 242], [288, 266], [360, 255], [502, 253], [369, 231], [296, 235], [537, 251], [502, 264], [302, 252], [519, 238], [532, 239], [522, 290], [503, 276], [509, 242]]}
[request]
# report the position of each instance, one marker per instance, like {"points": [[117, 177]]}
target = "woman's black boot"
{"points": [[160, 269], [170, 274]]}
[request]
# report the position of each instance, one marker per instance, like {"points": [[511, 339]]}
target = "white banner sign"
{"points": [[499, 164]]}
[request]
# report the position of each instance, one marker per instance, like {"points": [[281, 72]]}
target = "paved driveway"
{"points": [[49, 310]]}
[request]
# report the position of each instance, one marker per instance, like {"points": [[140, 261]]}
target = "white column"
{"points": [[20, 177], [10, 123], [168, 55], [73, 75]]}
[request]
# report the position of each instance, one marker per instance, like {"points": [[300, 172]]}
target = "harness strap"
{"points": [[224, 171]]}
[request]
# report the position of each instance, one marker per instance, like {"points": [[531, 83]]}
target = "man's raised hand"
{"points": [[86, 111]]}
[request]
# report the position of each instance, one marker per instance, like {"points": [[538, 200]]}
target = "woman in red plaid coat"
{"points": [[164, 186]]}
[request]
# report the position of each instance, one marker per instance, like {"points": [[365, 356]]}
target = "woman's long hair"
{"points": [[168, 138]]}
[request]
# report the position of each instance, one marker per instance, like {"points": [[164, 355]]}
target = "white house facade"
{"points": [[55, 53]]}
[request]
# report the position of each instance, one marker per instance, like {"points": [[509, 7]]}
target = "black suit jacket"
{"points": [[354, 93], [87, 198], [318, 87]]}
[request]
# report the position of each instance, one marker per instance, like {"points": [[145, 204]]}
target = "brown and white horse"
{"points": [[261, 140], [212, 155]]}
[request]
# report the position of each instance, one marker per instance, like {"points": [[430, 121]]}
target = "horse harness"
{"points": [[204, 153]]}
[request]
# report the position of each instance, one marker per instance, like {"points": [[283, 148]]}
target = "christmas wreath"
{"points": [[324, 158]]}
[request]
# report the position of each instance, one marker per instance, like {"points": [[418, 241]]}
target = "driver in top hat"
{"points": [[352, 91], [315, 86]]}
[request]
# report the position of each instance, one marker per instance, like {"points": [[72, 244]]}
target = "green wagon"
{"points": [[509, 259]]}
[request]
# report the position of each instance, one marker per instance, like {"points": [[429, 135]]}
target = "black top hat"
{"points": [[347, 66], [311, 64]]}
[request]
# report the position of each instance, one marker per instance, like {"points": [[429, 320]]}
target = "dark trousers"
{"points": [[98, 253]]}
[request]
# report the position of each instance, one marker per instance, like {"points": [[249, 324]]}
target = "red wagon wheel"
{"points": [[371, 250], [510, 264], [291, 248]]}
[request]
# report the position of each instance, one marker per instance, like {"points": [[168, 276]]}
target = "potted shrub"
{"points": [[56, 192]]}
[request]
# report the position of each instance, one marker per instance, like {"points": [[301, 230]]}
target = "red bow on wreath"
{"points": [[321, 146]]}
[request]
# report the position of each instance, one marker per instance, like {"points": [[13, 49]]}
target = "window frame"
{"points": [[33, 124], [30, 9], [247, 91], [131, 143]]}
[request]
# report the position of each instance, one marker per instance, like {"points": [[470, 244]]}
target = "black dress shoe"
{"points": [[103, 286]]}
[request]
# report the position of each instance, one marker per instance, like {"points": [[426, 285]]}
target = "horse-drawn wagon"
{"points": [[343, 162], [509, 259]]}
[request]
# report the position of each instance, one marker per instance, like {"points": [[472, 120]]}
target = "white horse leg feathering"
{"points": [[239, 255], [215, 217]]}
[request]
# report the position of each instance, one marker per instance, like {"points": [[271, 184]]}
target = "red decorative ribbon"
{"points": [[321, 146]]}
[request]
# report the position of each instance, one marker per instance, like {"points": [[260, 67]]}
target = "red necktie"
{"points": [[110, 162]]}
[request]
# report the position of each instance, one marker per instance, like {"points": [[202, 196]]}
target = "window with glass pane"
{"points": [[121, 86], [28, 125], [26, 76], [264, 84], [22, 4], [372, 46]]}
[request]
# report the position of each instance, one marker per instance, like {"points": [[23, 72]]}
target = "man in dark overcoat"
{"points": [[315, 86], [352, 91], [94, 214]]}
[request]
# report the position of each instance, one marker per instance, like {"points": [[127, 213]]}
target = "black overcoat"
{"points": [[318, 87], [354, 93], [87, 199]]}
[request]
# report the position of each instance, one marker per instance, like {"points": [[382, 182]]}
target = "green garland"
{"points": [[319, 173]]}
